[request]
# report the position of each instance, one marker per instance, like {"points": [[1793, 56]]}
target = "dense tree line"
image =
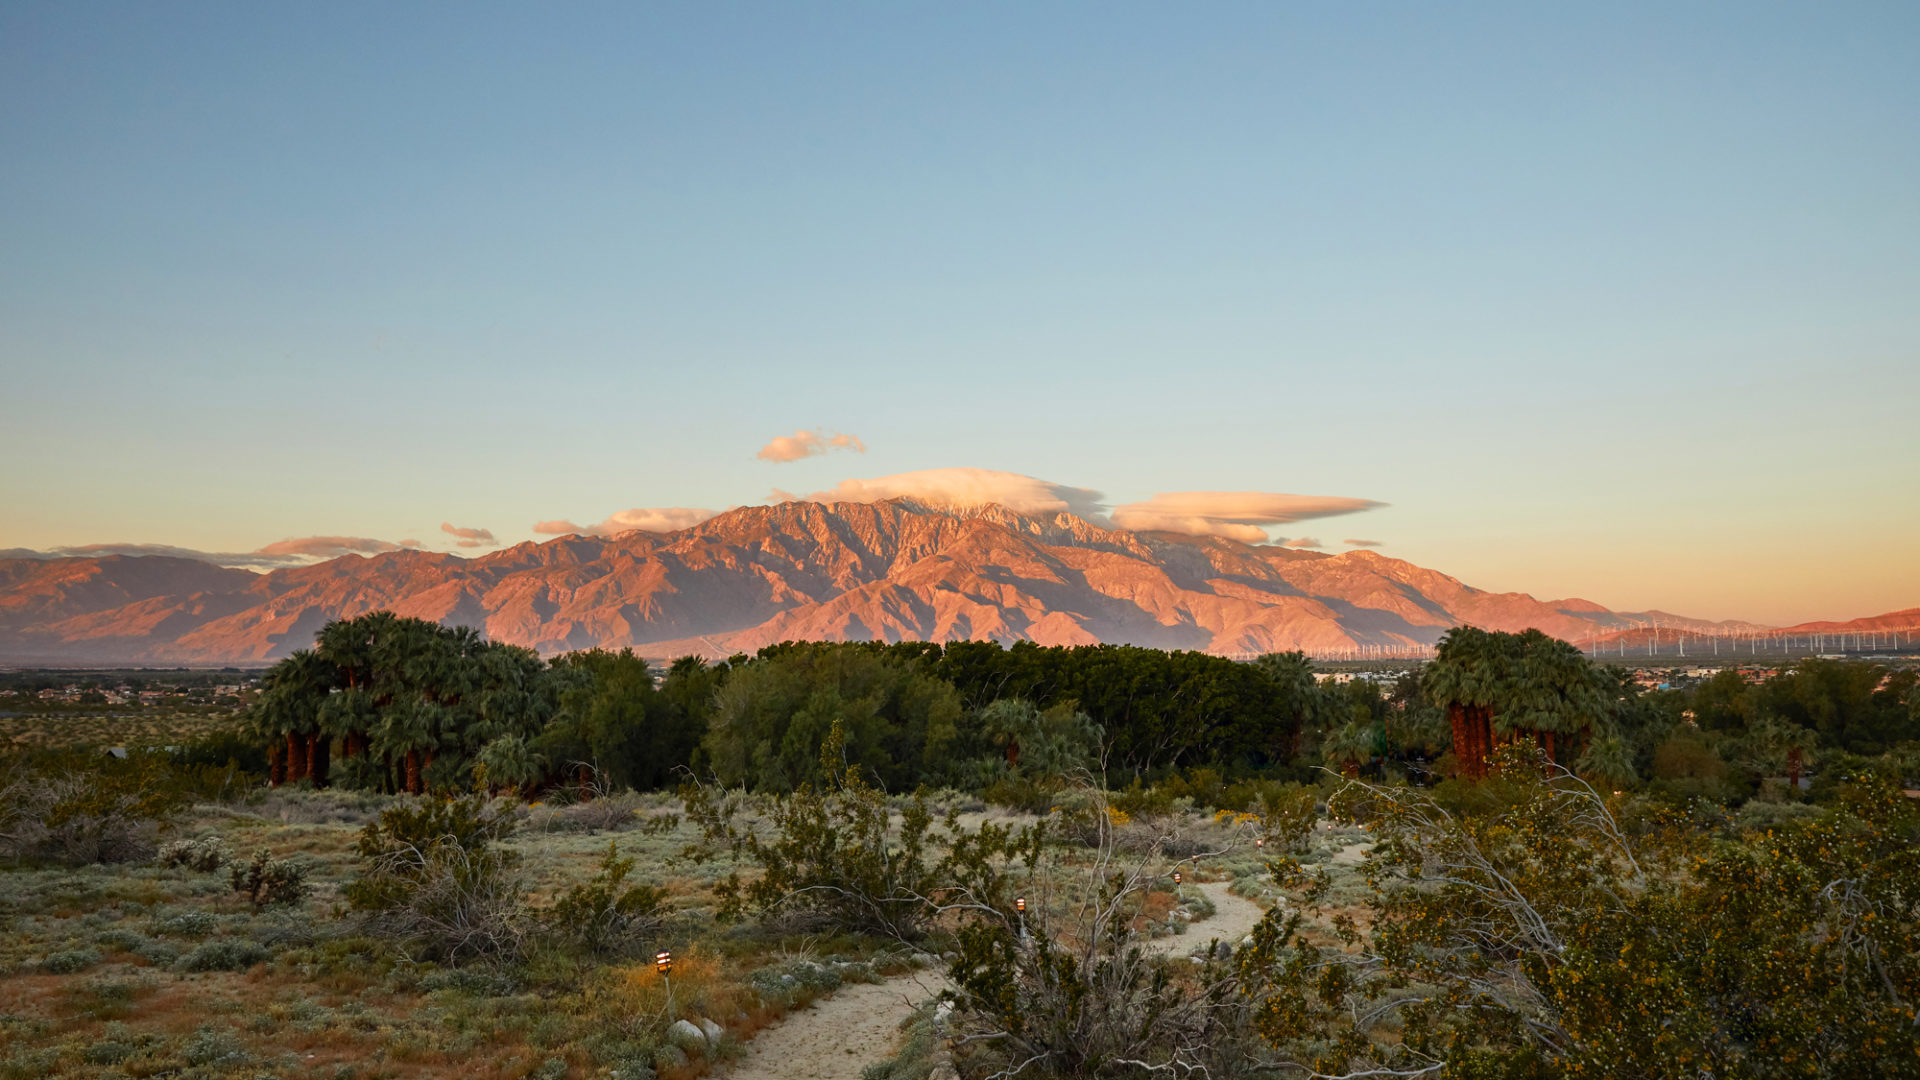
{"points": [[409, 705]]}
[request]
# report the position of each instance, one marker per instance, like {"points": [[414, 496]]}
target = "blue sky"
{"points": [[1616, 302]]}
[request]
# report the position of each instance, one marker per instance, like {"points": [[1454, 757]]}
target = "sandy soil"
{"points": [[837, 1036], [1234, 917]]}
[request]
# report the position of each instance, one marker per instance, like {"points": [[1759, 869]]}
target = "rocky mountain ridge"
{"points": [[895, 569]]}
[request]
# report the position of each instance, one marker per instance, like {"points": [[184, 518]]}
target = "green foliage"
{"points": [[613, 718], [1066, 989], [414, 701], [1034, 753], [1532, 934], [605, 914], [267, 880], [81, 807], [435, 875], [228, 747], [896, 721], [834, 856], [225, 954], [69, 961]]}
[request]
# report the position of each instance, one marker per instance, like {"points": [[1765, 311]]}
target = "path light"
{"points": [[1259, 841], [663, 963], [1020, 904], [1176, 877]]}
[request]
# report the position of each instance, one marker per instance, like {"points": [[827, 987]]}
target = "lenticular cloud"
{"points": [[971, 487], [658, 519], [1235, 515]]}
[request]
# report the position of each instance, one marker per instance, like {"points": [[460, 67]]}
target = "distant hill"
{"points": [[1893, 621], [889, 570]]}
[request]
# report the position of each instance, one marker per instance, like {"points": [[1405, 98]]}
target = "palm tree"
{"points": [[1463, 680], [510, 763], [1350, 746], [292, 696], [1006, 723], [1609, 760], [1499, 688]]}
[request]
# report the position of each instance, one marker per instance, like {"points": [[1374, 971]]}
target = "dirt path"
{"points": [[837, 1036], [1234, 917]]}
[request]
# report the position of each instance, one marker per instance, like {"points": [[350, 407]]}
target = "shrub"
{"points": [[79, 807], [69, 961], [435, 875], [224, 749], [469, 981], [834, 856], [214, 1048], [1543, 936], [267, 880], [226, 954], [607, 813], [187, 924], [1077, 995], [205, 854], [605, 913]]}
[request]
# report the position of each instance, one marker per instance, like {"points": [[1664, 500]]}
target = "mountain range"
{"points": [[893, 570]]}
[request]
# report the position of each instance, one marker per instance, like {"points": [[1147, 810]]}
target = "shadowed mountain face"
{"points": [[846, 571]]}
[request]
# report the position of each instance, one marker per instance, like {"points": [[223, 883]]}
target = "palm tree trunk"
{"points": [[1551, 756], [585, 777], [1457, 719], [296, 758], [413, 772], [1482, 740], [319, 751], [276, 765], [1793, 769]]}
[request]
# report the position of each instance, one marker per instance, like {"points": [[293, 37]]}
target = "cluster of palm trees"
{"points": [[1499, 689], [411, 703]]}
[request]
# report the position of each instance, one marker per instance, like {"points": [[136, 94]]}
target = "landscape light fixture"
{"points": [[663, 963], [1020, 904], [1176, 877], [1259, 841]]}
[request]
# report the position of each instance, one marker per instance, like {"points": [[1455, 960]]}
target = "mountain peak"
{"points": [[894, 569]]}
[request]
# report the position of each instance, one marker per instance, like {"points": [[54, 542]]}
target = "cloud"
{"points": [[972, 487], [1303, 542], [326, 547], [410, 543], [228, 558], [294, 551], [469, 538], [1236, 515], [806, 444], [658, 519], [1361, 543]]}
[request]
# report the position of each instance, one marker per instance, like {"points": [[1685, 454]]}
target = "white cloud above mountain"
{"points": [[1235, 515], [965, 486]]}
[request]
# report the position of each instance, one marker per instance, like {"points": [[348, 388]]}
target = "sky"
{"points": [[1618, 301]]}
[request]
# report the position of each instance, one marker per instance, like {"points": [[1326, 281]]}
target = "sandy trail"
{"points": [[1234, 917], [859, 1024], [837, 1036]]}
